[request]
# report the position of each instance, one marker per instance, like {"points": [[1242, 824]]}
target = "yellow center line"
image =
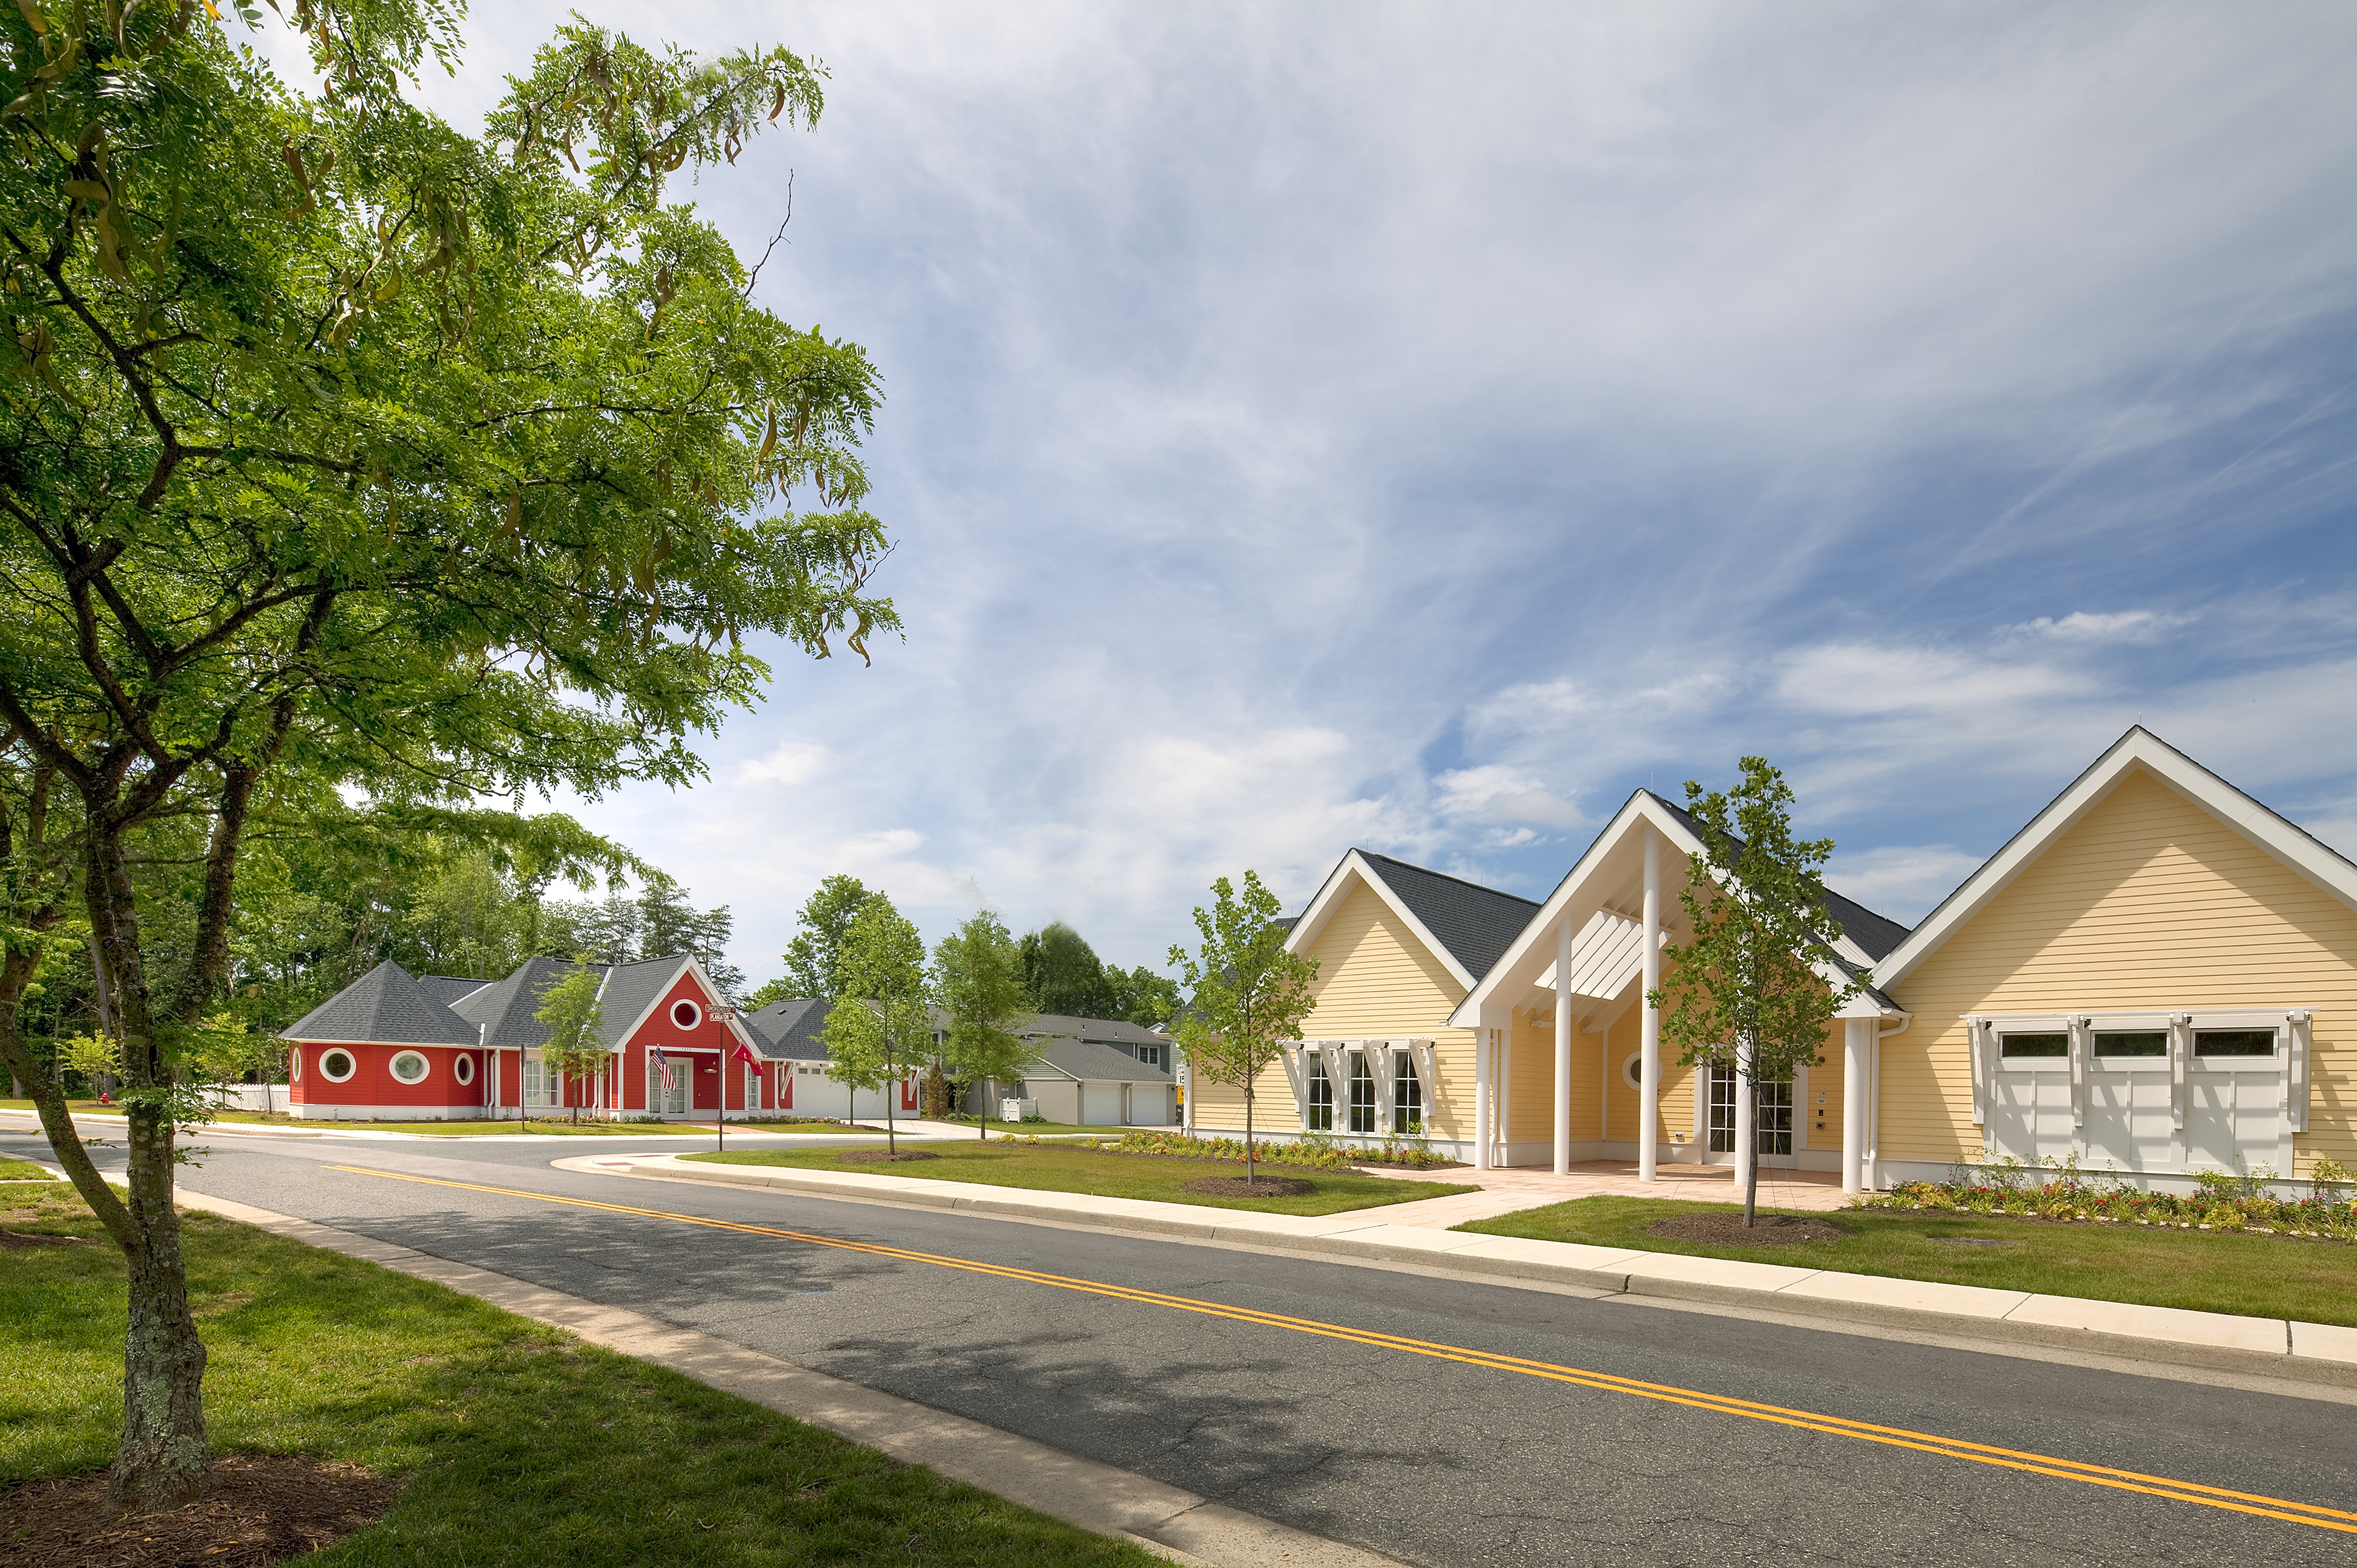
{"points": [[1609, 1382]]}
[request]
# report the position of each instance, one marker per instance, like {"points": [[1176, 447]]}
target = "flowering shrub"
{"points": [[2222, 1201], [1318, 1154]]}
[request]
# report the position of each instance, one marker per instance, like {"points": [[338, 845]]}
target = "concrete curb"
{"points": [[1165, 1519], [2271, 1346]]}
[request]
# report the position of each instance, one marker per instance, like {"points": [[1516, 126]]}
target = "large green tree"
{"points": [[1755, 987], [1246, 994], [977, 979], [340, 447], [813, 959]]}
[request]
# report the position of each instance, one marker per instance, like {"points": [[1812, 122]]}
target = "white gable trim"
{"points": [[2137, 749], [1642, 810], [1354, 866], [712, 998]]}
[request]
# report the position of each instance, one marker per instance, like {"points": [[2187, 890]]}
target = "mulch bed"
{"points": [[1728, 1230], [1263, 1161], [1236, 1187], [878, 1157], [35, 1239], [260, 1508]]}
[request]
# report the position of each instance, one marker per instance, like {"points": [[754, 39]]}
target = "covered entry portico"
{"points": [[1565, 1047]]}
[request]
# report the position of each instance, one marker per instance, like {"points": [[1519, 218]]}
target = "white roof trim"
{"points": [[2139, 748], [712, 999], [1330, 896], [1642, 810]]}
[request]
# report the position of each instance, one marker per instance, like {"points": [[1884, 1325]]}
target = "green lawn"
{"points": [[1031, 1129], [22, 1170], [2262, 1277], [1067, 1169], [519, 1445]]}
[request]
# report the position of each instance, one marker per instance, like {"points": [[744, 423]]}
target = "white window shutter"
{"points": [[1294, 1074], [2296, 1070], [1978, 1037], [1378, 1064]]}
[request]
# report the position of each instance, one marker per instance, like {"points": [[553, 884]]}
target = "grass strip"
{"points": [[22, 1170], [517, 1443], [2258, 1276], [1067, 1169]]}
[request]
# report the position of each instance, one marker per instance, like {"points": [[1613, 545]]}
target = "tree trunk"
{"points": [[982, 1117], [161, 1461], [1248, 1139], [1751, 1167]]}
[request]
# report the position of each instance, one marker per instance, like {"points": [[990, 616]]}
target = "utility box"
{"points": [[1018, 1110]]}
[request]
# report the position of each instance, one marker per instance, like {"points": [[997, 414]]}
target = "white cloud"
{"points": [[2084, 626], [789, 762], [1499, 794], [1321, 424]]}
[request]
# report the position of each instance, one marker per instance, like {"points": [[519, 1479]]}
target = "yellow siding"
{"points": [[2148, 902], [1674, 1119], [1375, 980]]}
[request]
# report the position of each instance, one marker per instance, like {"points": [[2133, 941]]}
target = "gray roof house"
{"points": [[385, 1006]]}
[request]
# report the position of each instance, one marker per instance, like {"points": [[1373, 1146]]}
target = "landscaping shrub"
{"points": [[2223, 1200], [1318, 1153]]}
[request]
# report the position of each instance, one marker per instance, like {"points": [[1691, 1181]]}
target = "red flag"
{"points": [[745, 1055]]}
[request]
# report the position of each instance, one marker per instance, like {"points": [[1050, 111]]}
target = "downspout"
{"points": [[1873, 1182]]}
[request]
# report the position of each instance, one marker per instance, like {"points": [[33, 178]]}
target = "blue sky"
{"points": [[1416, 426]]}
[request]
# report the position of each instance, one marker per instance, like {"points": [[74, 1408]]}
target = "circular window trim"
{"points": [[425, 1069], [294, 1064], [694, 1015], [463, 1070], [1632, 1071], [328, 1071]]}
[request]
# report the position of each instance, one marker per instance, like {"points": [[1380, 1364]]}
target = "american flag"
{"points": [[663, 1065]]}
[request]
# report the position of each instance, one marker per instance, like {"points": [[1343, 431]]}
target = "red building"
{"points": [[397, 1046]]}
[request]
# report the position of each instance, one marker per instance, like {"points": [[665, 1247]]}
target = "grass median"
{"points": [[515, 1443], [1062, 1168], [2260, 1276]]}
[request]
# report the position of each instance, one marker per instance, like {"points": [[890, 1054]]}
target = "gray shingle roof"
{"points": [[1096, 1063], [507, 1007], [1120, 1030], [1476, 924], [1876, 935], [385, 1006], [450, 989], [789, 1030]]}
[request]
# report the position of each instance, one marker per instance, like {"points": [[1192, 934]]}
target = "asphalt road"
{"points": [[1427, 1459]]}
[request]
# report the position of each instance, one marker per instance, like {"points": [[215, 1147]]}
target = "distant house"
{"points": [[394, 1046], [1095, 1072]]}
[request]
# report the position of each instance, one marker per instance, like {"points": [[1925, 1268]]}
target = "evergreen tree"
{"points": [[1063, 976]]}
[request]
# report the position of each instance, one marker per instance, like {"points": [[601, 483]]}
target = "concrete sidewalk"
{"points": [[2313, 1352], [1514, 1188]]}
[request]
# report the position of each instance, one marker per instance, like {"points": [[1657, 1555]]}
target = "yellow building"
{"points": [[2154, 976]]}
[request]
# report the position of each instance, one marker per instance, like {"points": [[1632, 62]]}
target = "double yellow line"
{"points": [[1723, 1404]]}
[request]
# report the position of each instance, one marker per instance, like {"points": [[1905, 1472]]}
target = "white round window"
{"points": [[1634, 1069], [294, 1066], [687, 1013], [463, 1070], [410, 1066], [336, 1066]]}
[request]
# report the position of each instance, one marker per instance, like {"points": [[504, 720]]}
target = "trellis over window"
{"points": [[1336, 1083], [2188, 1088]]}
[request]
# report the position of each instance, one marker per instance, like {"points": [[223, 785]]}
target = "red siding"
{"points": [[680, 1045], [372, 1082]]}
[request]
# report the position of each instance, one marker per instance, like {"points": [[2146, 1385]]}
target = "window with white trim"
{"points": [[338, 1066], [1363, 1094], [411, 1067], [463, 1070], [685, 1015], [2029, 1045], [1320, 1117], [294, 1064], [1408, 1095]]}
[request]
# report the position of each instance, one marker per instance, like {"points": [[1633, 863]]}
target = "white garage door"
{"points": [[1100, 1105]]}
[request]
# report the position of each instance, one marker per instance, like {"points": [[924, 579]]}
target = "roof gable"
{"points": [[1463, 924], [2139, 751], [385, 1006]]}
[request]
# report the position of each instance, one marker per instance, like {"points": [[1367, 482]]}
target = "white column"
{"points": [[1485, 1072], [1746, 1134], [1563, 1023], [1649, 1109], [1858, 1039]]}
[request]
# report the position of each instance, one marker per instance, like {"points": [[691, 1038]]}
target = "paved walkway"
{"points": [[1506, 1191]]}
